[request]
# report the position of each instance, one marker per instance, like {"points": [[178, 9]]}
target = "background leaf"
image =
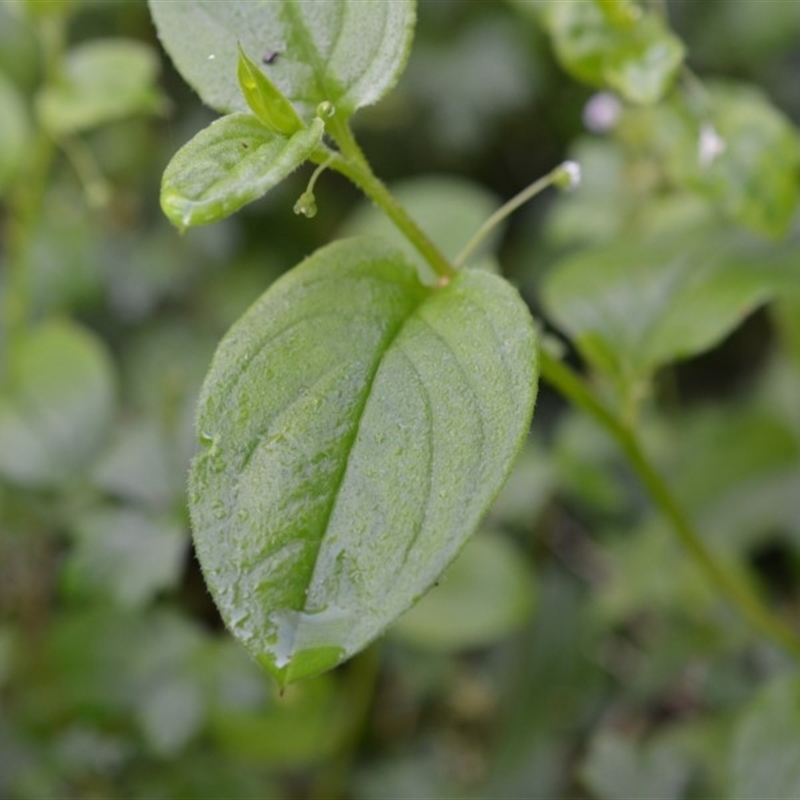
{"points": [[484, 595], [55, 404], [356, 427], [751, 172], [103, 80], [616, 769], [634, 305], [763, 759], [126, 554], [639, 60], [348, 52]]}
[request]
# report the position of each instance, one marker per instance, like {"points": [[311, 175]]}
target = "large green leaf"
{"points": [[228, 164], [103, 81], [764, 757], [348, 52], [633, 306], [55, 404], [356, 425], [638, 57]]}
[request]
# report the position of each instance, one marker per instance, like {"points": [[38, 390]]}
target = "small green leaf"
{"points": [[764, 757], [347, 52], [356, 425], [55, 405], [638, 59], [104, 80], [265, 101], [232, 162], [485, 594], [633, 306], [14, 131]]}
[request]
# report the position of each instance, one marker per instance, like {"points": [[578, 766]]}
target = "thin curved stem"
{"points": [[560, 176], [574, 388]]}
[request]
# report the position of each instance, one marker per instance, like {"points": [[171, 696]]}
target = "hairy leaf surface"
{"points": [[348, 52], [356, 426], [232, 162]]}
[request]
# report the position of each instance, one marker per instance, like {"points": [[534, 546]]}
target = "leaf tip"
{"points": [[177, 209]]}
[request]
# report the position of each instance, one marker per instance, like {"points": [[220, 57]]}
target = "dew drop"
{"points": [[306, 205], [218, 509]]}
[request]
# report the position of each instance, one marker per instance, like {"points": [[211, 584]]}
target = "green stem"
{"points": [[362, 681], [573, 387], [556, 176], [26, 200], [351, 163], [95, 186], [25, 210]]}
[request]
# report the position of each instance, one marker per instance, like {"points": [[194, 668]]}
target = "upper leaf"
{"points": [[228, 164], [265, 101], [356, 427], [348, 52]]}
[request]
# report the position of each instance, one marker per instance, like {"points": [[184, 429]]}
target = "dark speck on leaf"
{"points": [[271, 56], [245, 145]]}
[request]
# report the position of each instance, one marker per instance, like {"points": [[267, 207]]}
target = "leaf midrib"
{"points": [[382, 351]]}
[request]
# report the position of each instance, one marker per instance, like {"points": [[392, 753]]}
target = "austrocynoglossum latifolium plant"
{"points": [[359, 419], [585, 640]]}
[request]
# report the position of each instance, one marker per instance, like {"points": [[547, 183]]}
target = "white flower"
{"points": [[567, 176], [709, 145]]}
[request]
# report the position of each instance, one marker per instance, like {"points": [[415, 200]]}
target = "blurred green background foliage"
{"points": [[573, 650]]}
